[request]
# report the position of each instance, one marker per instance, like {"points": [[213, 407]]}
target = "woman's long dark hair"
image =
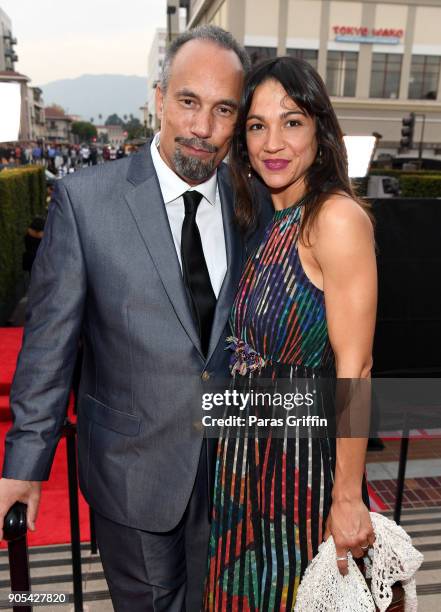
{"points": [[328, 173]]}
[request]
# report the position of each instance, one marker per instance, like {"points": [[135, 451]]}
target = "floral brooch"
{"points": [[244, 359]]}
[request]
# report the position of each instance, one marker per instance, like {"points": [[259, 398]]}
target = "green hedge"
{"points": [[415, 183], [22, 197], [398, 173], [425, 186]]}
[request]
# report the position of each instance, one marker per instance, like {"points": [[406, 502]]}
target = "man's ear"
{"points": [[159, 101]]}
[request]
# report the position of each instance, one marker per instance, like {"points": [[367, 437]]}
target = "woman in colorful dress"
{"points": [[306, 305]]}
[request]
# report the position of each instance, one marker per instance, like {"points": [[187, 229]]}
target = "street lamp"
{"points": [[360, 151]]}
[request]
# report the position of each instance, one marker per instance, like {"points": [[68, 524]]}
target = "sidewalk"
{"points": [[422, 486], [421, 516]]}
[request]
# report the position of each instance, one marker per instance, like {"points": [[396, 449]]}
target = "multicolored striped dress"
{"points": [[272, 495]]}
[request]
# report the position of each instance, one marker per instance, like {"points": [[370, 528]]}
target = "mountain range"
{"points": [[91, 95]]}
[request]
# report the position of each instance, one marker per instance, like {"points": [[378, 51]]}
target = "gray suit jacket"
{"points": [[107, 271]]}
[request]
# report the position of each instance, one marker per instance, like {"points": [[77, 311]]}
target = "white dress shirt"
{"points": [[208, 217]]}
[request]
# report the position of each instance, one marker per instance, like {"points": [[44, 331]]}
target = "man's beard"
{"points": [[191, 167]]}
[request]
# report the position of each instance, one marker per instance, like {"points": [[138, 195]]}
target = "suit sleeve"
{"points": [[42, 380]]}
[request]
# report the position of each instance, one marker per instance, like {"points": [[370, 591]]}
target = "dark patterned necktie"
{"points": [[195, 271]]}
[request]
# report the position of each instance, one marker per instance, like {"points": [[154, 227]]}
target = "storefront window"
{"points": [[424, 77], [385, 76], [309, 55], [258, 54], [341, 73]]}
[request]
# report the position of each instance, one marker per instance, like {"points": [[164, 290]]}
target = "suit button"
{"points": [[198, 425], [205, 376]]}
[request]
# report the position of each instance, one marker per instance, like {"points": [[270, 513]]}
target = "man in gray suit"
{"points": [[141, 259]]}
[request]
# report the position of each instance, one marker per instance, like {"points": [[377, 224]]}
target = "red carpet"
{"points": [[375, 501], [53, 526], [53, 523], [10, 342]]}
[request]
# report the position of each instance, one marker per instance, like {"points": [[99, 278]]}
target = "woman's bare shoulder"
{"points": [[340, 214]]}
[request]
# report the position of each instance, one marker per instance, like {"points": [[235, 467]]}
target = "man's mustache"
{"points": [[197, 143]]}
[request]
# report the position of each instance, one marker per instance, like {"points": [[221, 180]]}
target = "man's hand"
{"points": [[25, 491]]}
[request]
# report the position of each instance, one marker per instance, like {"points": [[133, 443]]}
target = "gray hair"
{"points": [[210, 33]]}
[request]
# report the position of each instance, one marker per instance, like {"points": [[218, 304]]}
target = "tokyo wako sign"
{"points": [[382, 36]]}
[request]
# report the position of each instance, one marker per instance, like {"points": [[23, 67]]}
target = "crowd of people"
{"points": [[60, 158]]}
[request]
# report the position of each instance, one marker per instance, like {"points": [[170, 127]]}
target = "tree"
{"points": [[84, 130], [134, 128], [114, 120]]}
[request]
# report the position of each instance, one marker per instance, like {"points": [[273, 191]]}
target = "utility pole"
{"points": [[420, 148]]}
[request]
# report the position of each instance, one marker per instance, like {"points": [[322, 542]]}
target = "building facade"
{"points": [[113, 135], [7, 43], [379, 60], [176, 23], [32, 119], [58, 125], [154, 66], [37, 115]]}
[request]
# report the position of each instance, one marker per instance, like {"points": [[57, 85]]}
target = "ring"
{"points": [[342, 558]]}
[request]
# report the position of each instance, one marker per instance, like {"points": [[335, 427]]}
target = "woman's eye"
{"points": [[293, 123], [255, 127]]}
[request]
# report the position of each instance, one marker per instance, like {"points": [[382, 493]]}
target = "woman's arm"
{"points": [[344, 248]]}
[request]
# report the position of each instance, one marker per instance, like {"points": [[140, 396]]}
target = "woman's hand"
{"points": [[350, 525]]}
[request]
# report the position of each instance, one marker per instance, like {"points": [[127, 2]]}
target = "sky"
{"points": [[68, 38]]}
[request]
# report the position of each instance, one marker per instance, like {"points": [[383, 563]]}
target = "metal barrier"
{"points": [[70, 431], [400, 478], [15, 530]]}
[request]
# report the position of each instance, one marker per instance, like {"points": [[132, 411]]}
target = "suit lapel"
{"points": [[235, 253], [145, 201]]}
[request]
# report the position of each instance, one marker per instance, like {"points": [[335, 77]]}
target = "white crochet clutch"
{"points": [[392, 558]]}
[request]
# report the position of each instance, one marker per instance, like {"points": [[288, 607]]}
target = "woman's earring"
{"points": [[249, 173], [320, 156]]}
